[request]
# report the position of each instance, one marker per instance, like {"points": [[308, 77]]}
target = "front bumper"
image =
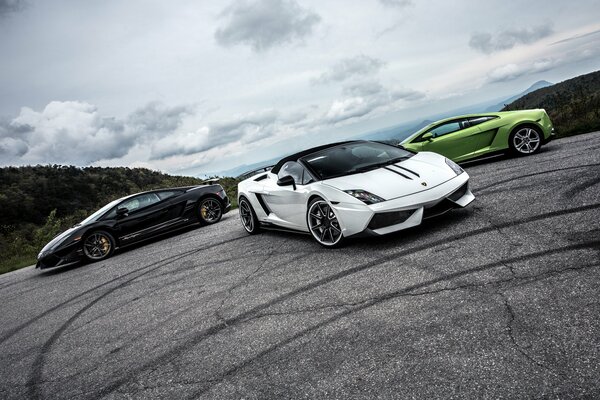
{"points": [[403, 212], [60, 258]]}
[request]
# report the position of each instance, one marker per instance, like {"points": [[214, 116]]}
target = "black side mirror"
{"points": [[122, 212], [287, 180]]}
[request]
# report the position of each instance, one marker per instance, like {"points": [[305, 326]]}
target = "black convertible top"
{"points": [[296, 156]]}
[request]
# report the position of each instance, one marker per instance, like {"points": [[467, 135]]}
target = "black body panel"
{"points": [[172, 209]]}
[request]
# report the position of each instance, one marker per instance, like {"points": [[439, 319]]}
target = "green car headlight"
{"points": [[364, 196], [455, 167]]}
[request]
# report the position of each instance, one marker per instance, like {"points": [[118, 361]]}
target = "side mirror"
{"points": [[122, 212], [287, 181], [428, 136]]}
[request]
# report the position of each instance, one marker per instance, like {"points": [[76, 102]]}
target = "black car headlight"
{"points": [[364, 196], [455, 167]]}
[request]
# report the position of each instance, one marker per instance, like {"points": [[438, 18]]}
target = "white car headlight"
{"points": [[455, 167], [364, 196]]}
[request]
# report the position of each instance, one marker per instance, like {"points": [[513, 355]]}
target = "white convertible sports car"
{"points": [[352, 188]]}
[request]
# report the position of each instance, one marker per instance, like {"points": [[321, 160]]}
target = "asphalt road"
{"points": [[499, 300]]}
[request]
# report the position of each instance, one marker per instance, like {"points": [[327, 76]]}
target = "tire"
{"points": [[248, 217], [98, 246], [210, 211], [323, 224], [525, 140]]}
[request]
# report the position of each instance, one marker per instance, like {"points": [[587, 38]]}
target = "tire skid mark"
{"points": [[38, 364], [576, 189], [482, 189], [215, 329], [408, 291], [17, 329]]}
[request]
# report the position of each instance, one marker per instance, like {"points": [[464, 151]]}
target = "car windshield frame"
{"points": [[403, 154], [98, 214]]}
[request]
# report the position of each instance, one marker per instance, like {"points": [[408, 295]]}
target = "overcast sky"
{"points": [[200, 86]]}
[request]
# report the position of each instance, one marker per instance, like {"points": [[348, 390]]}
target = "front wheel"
{"points": [[248, 217], [210, 211], [98, 246], [323, 224], [525, 141]]}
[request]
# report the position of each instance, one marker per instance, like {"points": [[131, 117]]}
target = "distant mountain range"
{"points": [[573, 105], [532, 88]]}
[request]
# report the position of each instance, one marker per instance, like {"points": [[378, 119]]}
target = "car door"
{"points": [[451, 139], [144, 213], [174, 203], [288, 203]]}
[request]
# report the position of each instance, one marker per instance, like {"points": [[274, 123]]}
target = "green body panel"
{"points": [[474, 141]]}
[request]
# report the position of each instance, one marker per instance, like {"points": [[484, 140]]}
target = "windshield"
{"points": [[100, 212], [353, 158]]}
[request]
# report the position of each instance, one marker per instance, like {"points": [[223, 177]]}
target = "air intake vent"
{"points": [[384, 219]]}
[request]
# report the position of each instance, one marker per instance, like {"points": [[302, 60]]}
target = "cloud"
{"points": [[10, 6], [513, 71], [156, 119], [73, 132], [364, 98], [396, 3], [358, 66], [487, 43], [263, 24], [246, 129]]}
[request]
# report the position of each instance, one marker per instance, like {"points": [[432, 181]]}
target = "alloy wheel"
{"points": [[526, 140], [246, 216], [323, 224], [97, 246], [210, 211]]}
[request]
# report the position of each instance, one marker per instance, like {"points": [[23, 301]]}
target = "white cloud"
{"points": [[262, 24], [358, 66], [507, 39]]}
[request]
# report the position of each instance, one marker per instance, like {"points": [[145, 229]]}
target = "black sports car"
{"points": [[132, 219]]}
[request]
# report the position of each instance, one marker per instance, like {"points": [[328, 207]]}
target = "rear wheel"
{"points": [[323, 224], [210, 211], [525, 140], [248, 217], [98, 246]]}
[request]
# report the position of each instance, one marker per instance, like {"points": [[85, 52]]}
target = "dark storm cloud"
{"points": [[263, 24], [487, 43], [358, 66], [10, 6]]}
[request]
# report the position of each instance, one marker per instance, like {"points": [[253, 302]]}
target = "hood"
{"points": [[58, 240], [431, 168]]}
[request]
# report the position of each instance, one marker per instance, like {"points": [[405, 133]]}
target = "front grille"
{"points": [[384, 219], [440, 208], [459, 193], [48, 261]]}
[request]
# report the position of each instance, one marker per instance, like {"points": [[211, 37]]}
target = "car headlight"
{"points": [[364, 196], [455, 167]]}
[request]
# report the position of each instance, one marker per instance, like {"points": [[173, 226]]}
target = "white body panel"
{"points": [[426, 181]]}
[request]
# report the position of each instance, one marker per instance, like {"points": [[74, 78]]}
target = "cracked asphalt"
{"points": [[498, 300]]}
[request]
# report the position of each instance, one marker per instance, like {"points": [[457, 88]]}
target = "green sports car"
{"points": [[469, 136]]}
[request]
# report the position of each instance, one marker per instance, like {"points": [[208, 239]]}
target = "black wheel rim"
{"points": [[210, 210], [246, 216], [97, 246], [526, 140], [323, 224]]}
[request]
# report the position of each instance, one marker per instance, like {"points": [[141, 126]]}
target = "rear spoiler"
{"points": [[248, 174]]}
